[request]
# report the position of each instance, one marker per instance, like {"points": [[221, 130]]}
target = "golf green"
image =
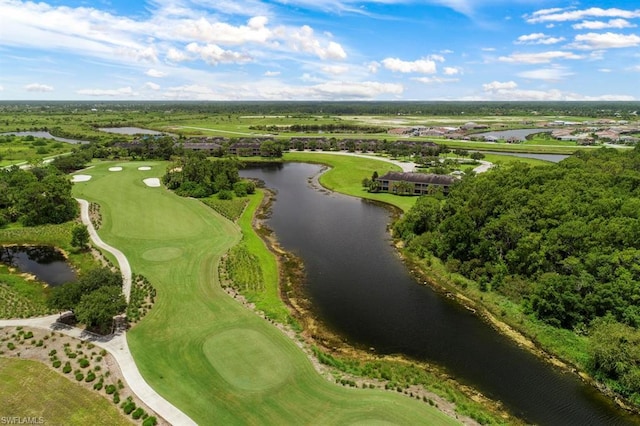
{"points": [[200, 349]]}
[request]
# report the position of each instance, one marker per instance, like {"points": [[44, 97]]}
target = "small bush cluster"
{"points": [[143, 296]]}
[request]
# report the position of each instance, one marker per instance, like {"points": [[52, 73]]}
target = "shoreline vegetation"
{"points": [[342, 362], [560, 348], [216, 119]]}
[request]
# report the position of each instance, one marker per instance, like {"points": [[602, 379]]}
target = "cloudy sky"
{"points": [[320, 50]]}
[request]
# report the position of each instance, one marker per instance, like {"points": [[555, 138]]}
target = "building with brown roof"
{"points": [[414, 183]]}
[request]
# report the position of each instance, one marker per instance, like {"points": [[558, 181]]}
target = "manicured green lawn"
{"points": [[31, 389], [199, 348], [347, 172]]}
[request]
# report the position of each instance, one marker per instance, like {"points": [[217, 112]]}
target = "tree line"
{"points": [[561, 240], [37, 196]]}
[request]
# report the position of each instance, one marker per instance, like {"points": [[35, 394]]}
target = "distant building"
{"points": [[414, 183]]}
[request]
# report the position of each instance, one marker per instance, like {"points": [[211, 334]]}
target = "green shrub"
{"points": [[139, 412], [110, 389], [79, 376], [84, 363], [98, 385], [128, 407], [67, 368], [57, 363], [90, 377], [150, 421]]}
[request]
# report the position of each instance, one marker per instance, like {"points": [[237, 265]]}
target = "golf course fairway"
{"points": [[203, 351]]}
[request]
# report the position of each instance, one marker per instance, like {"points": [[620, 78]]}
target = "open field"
{"points": [[18, 149], [31, 389], [199, 348]]}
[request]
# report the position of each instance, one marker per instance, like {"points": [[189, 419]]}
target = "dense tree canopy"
{"points": [[35, 197], [95, 298], [196, 176], [571, 231]]}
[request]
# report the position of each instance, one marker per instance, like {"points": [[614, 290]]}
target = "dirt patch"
{"points": [[56, 350]]}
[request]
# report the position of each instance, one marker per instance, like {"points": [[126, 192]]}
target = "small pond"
{"points": [[47, 263], [129, 131], [520, 134], [45, 135], [553, 158]]}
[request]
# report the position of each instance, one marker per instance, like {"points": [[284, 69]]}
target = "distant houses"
{"points": [[414, 183]]}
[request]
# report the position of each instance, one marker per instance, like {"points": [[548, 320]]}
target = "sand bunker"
{"points": [[152, 182], [144, 168], [80, 178], [115, 169]]}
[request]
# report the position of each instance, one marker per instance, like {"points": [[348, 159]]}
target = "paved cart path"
{"points": [[116, 343]]}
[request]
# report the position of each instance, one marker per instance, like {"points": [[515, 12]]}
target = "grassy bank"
{"points": [[199, 348], [31, 389], [347, 172], [20, 295]]}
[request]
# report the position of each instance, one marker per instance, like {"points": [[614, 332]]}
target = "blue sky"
{"points": [[319, 50]]}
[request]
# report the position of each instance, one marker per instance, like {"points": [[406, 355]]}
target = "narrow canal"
{"points": [[361, 289]]}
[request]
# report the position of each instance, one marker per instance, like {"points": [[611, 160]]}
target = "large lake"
{"points": [[360, 288]]}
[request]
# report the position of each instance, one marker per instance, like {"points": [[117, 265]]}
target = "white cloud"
{"points": [[605, 70], [276, 90], [361, 90], [304, 40], [600, 25], [123, 91], [435, 80], [452, 70], [272, 73], [605, 41], [155, 73], [37, 87], [214, 54], [562, 15], [335, 69], [175, 56], [161, 33], [509, 91], [204, 30], [539, 58], [373, 67], [152, 86], [538, 38], [488, 49], [497, 85], [1, 88], [547, 74], [423, 66]]}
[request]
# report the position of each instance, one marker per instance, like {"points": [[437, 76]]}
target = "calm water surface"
{"points": [[360, 288], [129, 131], [46, 135], [520, 134], [554, 158], [46, 263]]}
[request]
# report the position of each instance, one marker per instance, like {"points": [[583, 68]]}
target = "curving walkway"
{"points": [[116, 344]]}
